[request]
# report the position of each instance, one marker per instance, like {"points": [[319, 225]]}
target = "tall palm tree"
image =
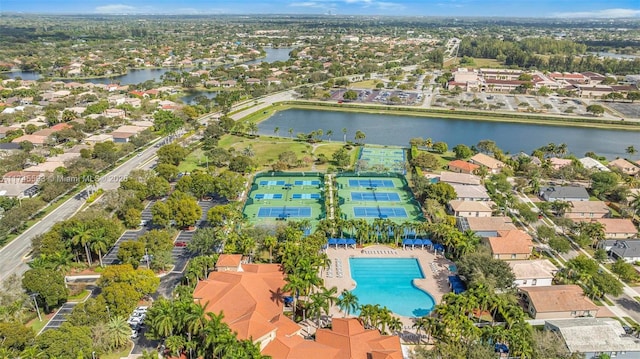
{"points": [[99, 243], [270, 242], [348, 302], [276, 131], [118, 332], [290, 133], [329, 134], [161, 318], [344, 134], [175, 344], [81, 235]]}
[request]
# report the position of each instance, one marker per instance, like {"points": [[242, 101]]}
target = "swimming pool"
{"points": [[389, 282]]}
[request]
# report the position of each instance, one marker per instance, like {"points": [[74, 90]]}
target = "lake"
{"points": [[398, 130], [137, 76]]}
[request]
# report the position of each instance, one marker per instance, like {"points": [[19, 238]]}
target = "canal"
{"points": [[398, 130]]}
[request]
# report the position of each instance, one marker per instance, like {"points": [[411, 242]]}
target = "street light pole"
{"points": [[108, 311], [33, 296]]}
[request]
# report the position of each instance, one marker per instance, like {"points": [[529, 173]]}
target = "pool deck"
{"points": [[435, 269]]}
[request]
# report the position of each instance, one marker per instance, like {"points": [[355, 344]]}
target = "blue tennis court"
{"points": [[370, 183], [375, 196], [282, 212], [379, 212], [306, 183], [272, 183], [269, 196], [305, 196]]}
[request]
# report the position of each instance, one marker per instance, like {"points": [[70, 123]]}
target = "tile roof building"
{"points": [[251, 301], [460, 166], [557, 301], [587, 210], [512, 244], [492, 164]]}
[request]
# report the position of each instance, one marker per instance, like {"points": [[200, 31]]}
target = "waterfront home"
{"points": [[564, 193], [589, 163], [485, 226], [558, 163], [471, 192], [627, 250], [611, 340], [531, 273], [587, 209], [624, 166], [460, 208], [493, 165], [460, 166], [512, 244], [557, 301]]}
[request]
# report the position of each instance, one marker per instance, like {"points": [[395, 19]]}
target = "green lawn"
{"points": [[367, 84], [120, 354], [196, 159], [37, 325], [267, 149], [79, 297]]}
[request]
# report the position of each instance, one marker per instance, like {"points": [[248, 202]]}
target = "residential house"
{"points": [[115, 112], [617, 228], [93, 139], [253, 81], [558, 163], [229, 263], [459, 178], [460, 166], [485, 226], [511, 244], [471, 192], [624, 166], [610, 340], [20, 177], [627, 250], [228, 83], [36, 140], [557, 302], [535, 160], [354, 341], [122, 137], [564, 193], [531, 273], [493, 165], [4, 130], [587, 209], [469, 208], [589, 163]]}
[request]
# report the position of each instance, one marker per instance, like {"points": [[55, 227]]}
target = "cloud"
{"points": [[116, 9], [605, 13], [305, 4]]}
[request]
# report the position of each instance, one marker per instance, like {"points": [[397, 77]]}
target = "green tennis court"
{"points": [[382, 159]]}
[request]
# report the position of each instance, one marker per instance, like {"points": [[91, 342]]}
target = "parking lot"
{"points": [[627, 109], [516, 103], [387, 97], [59, 317]]}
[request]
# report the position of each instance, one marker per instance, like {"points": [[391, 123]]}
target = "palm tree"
{"points": [[100, 243], [82, 235], [162, 322], [291, 133], [118, 332], [253, 128], [295, 285], [344, 134], [270, 242], [635, 204], [31, 353], [631, 150], [329, 133], [394, 324], [276, 131], [175, 344], [348, 302]]}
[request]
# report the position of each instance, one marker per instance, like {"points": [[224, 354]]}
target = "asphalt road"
{"points": [[12, 256]]}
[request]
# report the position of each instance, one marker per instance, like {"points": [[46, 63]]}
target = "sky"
{"points": [[483, 8]]}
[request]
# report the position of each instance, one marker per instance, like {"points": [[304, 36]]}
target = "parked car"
{"points": [[181, 244], [134, 334]]}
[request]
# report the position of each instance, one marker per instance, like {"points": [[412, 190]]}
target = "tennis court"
{"points": [[375, 196], [306, 183], [305, 196], [379, 212], [382, 160], [272, 183], [282, 212], [370, 182], [268, 196]]}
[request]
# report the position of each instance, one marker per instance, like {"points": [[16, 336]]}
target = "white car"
{"points": [[134, 320], [134, 334]]}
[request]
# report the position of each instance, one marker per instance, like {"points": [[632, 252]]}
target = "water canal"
{"points": [[397, 130]]}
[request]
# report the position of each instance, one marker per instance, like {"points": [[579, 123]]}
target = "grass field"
{"points": [[196, 159], [366, 84], [266, 150]]}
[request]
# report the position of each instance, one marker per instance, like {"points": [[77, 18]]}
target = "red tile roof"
{"points": [[463, 165]]}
